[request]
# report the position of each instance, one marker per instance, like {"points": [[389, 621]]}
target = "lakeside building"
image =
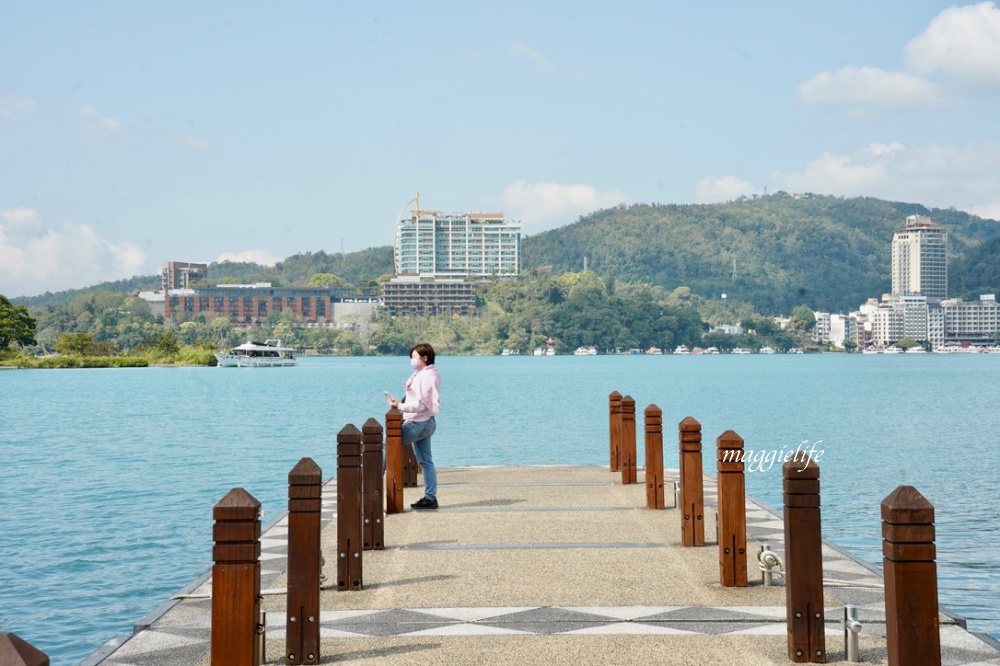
{"points": [[251, 304], [438, 258], [920, 259], [180, 274], [975, 322]]}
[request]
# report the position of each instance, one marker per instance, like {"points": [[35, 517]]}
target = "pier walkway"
{"points": [[541, 565]]}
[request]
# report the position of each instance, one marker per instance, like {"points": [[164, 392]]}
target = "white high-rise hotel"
{"points": [[920, 259], [440, 257], [453, 245]]}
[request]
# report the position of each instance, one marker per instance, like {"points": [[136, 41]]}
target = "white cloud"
{"points": [[962, 42], [97, 127], [868, 86], [718, 190], [522, 51], [937, 175], [262, 257], [542, 206], [16, 106], [35, 258], [193, 143]]}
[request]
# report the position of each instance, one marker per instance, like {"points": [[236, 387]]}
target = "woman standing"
{"points": [[419, 407]]}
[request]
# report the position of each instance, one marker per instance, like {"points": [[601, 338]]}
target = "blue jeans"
{"points": [[419, 435]]}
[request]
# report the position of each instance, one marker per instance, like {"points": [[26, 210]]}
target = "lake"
{"points": [[108, 477]]}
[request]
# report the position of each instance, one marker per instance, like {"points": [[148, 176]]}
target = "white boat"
{"points": [[538, 352], [682, 349], [740, 350], [267, 354], [585, 351], [712, 350], [767, 350], [916, 350], [892, 349], [654, 351]]}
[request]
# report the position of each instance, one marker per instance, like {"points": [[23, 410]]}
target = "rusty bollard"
{"points": [[349, 566], [373, 499], [911, 597], [803, 561], [305, 500], [615, 428], [236, 614], [15, 651], [627, 460], [410, 467], [732, 510], [692, 489], [654, 458], [394, 461]]}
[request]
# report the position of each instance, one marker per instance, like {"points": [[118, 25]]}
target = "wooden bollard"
{"points": [[615, 428], [732, 510], [692, 488], [803, 561], [912, 632], [15, 651], [373, 498], [394, 461], [409, 467], [305, 501], [236, 625], [628, 457], [654, 458], [349, 565]]}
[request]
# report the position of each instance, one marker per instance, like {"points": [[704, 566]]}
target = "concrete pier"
{"points": [[542, 565]]}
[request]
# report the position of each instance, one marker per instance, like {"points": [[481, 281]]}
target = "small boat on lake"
{"points": [[267, 354]]}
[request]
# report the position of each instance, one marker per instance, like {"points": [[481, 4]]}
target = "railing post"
{"points": [[654, 458], [803, 561], [409, 467], [692, 488], [394, 461], [732, 510], [236, 615], [15, 651], [305, 501], [627, 460], [615, 427], [912, 631], [349, 565], [373, 501]]}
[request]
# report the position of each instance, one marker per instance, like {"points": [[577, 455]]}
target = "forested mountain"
{"points": [[773, 252]]}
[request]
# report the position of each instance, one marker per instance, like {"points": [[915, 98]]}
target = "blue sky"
{"points": [[136, 133]]}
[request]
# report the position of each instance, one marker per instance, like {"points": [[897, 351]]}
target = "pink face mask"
{"points": [[415, 364]]}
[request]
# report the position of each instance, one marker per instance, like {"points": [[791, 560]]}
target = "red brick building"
{"points": [[252, 303]]}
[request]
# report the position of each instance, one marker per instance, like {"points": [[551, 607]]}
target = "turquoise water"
{"points": [[108, 477]]}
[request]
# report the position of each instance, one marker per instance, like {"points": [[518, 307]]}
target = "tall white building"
{"points": [[919, 259], [452, 245]]}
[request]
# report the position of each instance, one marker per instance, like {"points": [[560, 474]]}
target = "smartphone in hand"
{"points": [[388, 398]]}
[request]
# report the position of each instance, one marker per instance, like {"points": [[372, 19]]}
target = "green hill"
{"points": [[774, 252]]}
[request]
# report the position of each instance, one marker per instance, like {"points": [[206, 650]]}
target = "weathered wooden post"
{"points": [[627, 461], [15, 651], [236, 615], [305, 501], [911, 596], [615, 427], [732, 510], [373, 499], [654, 458], [692, 488], [409, 467], [394, 461], [803, 561], [349, 565]]}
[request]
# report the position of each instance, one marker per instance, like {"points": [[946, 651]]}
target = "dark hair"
{"points": [[424, 350]]}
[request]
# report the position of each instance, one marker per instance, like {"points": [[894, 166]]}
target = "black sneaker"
{"points": [[425, 503]]}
